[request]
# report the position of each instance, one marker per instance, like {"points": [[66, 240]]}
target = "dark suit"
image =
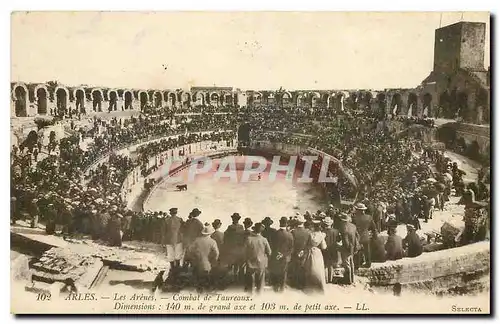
{"points": [[413, 244], [300, 239], [280, 258], [377, 249], [232, 254], [350, 243], [257, 251], [191, 230], [364, 224], [218, 237], [394, 247]]}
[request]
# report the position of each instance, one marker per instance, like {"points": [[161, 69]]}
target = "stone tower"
{"points": [[460, 45]]}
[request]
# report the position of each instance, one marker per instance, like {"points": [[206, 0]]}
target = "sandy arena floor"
{"points": [[220, 198]]}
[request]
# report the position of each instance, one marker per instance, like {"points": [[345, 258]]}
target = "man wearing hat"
{"points": [[172, 238], [300, 237], [247, 223], [364, 224], [233, 246], [257, 251], [203, 255], [394, 245], [281, 256], [349, 243], [218, 236], [192, 228], [411, 243], [331, 255], [114, 230], [268, 232]]}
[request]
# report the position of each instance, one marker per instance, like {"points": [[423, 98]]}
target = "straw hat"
{"points": [[208, 229], [328, 221]]}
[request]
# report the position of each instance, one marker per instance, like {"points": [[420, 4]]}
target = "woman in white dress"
{"points": [[314, 265]]}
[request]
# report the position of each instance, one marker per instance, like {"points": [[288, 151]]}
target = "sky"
{"points": [[246, 50]]}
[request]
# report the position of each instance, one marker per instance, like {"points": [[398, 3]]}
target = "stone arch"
{"points": [[214, 98], [186, 98], [165, 96], [172, 98], [41, 95], [339, 101], [325, 100], [128, 99], [113, 100], [462, 108], [20, 97], [286, 98], [143, 99], [97, 99], [62, 98], [257, 97], [412, 104], [228, 98], [158, 99], [427, 104], [315, 97], [300, 100], [199, 98], [79, 95], [396, 104], [367, 100], [382, 103]]}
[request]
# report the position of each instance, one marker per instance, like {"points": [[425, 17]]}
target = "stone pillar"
{"points": [[403, 110]]}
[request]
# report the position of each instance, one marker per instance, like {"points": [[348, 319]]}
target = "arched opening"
{"points": [[80, 100], [396, 104], [143, 99], [462, 106], [200, 99], [412, 104], [21, 101], [427, 103], [61, 101], [381, 104], [445, 106], [244, 134], [483, 115], [165, 97], [301, 101], [113, 101], [128, 100], [353, 101], [339, 102], [186, 99], [286, 98], [367, 100], [214, 99], [97, 100], [41, 99], [228, 99], [158, 100], [172, 98], [315, 98]]}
